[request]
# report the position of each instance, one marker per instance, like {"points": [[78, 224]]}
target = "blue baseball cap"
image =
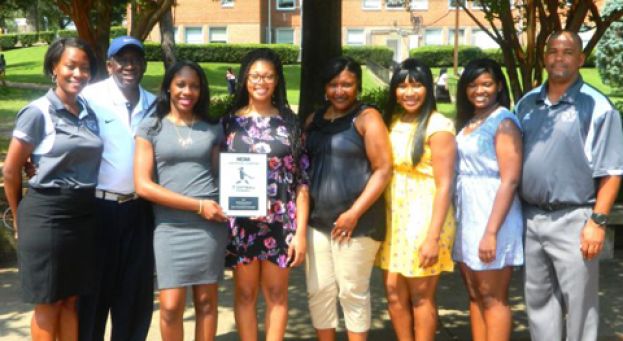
{"points": [[120, 42]]}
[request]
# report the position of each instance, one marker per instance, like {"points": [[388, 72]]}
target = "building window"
{"points": [[452, 4], [451, 36], [193, 35], [477, 4], [284, 36], [371, 4], [394, 4], [433, 36], [419, 4], [218, 34], [482, 40], [286, 4], [355, 37], [227, 3]]}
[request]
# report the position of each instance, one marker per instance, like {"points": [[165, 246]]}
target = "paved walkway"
{"points": [[454, 319]]}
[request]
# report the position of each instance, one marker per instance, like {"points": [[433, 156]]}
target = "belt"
{"points": [[112, 196], [558, 206]]}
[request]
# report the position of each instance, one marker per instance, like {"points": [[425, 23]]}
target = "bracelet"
{"points": [[200, 211]]}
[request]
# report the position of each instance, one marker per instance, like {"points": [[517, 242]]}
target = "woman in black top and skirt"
{"points": [[55, 221]]}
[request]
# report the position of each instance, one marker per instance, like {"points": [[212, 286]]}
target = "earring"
{"points": [[53, 78], [326, 98]]}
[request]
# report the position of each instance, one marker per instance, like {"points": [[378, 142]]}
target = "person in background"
{"points": [[350, 158], [55, 221], [421, 229], [2, 69], [124, 271], [441, 86], [488, 211], [572, 167], [230, 77], [263, 249], [176, 165]]}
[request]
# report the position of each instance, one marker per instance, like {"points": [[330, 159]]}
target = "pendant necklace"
{"points": [[188, 140]]}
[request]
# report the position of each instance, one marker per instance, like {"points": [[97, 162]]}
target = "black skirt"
{"points": [[56, 243]]}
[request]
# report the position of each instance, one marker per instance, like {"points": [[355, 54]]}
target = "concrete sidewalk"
{"points": [[453, 314]]}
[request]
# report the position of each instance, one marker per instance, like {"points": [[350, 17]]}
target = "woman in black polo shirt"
{"points": [[55, 221]]}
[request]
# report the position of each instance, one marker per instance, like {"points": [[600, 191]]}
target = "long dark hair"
{"points": [[473, 70], [413, 70], [163, 101]]}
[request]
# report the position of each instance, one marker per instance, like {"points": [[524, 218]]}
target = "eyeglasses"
{"points": [[257, 78]]}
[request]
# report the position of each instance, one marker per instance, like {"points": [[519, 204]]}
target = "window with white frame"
{"points": [[227, 3], [481, 39], [218, 34], [355, 37], [433, 36], [286, 4], [371, 4], [452, 4], [394, 4], [451, 36], [284, 36], [477, 4], [175, 36], [193, 35], [419, 4]]}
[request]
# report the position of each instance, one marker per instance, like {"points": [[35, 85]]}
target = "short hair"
{"points": [[339, 64], [56, 49], [473, 70], [574, 36]]}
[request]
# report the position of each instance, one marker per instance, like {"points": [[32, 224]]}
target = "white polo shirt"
{"points": [[117, 130]]}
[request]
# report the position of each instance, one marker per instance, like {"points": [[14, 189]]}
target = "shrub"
{"points": [[379, 54], [47, 36], [225, 53], [609, 55], [591, 60], [8, 41], [27, 39], [67, 33], [219, 106], [378, 96], [495, 54], [444, 55], [118, 31]]}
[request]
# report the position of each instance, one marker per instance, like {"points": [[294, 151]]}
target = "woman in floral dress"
{"points": [[262, 249]]}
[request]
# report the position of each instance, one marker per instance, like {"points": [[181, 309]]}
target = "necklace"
{"points": [[188, 140]]}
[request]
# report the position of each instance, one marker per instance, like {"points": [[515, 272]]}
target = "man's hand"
{"points": [[592, 239]]}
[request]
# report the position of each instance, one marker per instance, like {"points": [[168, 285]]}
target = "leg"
{"points": [[44, 324], [542, 294], [491, 289], [476, 315], [353, 268], [321, 284], [205, 298], [68, 320], [399, 305], [275, 289], [247, 282], [422, 291], [132, 305], [172, 302]]}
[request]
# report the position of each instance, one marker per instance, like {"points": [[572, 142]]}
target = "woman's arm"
{"points": [[443, 156], [508, 150], [298, 247], [378, 150], [148, 189], [16, 157]]}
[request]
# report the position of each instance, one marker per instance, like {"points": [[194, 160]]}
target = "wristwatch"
{"points": [[599, 219]]}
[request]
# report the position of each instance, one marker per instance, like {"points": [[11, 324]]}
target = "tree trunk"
{"points": [[322, 40], [167, 39]]}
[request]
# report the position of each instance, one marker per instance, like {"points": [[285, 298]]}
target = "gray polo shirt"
{"points": [[568, 145], [66, 149]]}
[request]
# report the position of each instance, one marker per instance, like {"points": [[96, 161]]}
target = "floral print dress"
{"points": [[268, 237]]}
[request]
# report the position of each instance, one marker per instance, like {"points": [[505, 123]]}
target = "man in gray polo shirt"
{"points": [[125, 224], [573, 162]]}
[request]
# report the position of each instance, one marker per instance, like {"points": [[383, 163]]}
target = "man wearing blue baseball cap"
{"points": [[125, 223]]}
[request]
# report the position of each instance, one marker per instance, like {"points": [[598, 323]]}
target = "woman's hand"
{"points": [[429, 252], [296, 250], [344, 225], [487, 247], [211, 210]]}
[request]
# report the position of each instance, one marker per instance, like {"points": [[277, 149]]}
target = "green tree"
{"points": [[609, 54]]}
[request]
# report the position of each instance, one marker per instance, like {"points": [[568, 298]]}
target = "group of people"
{"points": [[352, 187]]}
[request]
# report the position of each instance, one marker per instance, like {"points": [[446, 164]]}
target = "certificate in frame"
{"points": [[242, 190]]}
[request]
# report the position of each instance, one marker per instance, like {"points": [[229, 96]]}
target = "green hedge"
{"points": [[495, 54], [435, 56], [224, 53], [27, 39], [67, 33], [47, 36], [590, 60], [8, 41], [118, 31], [379, 54]]}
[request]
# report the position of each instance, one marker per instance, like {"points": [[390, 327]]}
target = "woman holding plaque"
{"points": [[351, 163], [263, 248], [175, 168]]}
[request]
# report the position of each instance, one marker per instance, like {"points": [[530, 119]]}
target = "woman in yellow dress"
{"points": [[418, 244]]}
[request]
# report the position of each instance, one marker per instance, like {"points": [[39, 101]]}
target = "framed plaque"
{"points": [[242, 190]]}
